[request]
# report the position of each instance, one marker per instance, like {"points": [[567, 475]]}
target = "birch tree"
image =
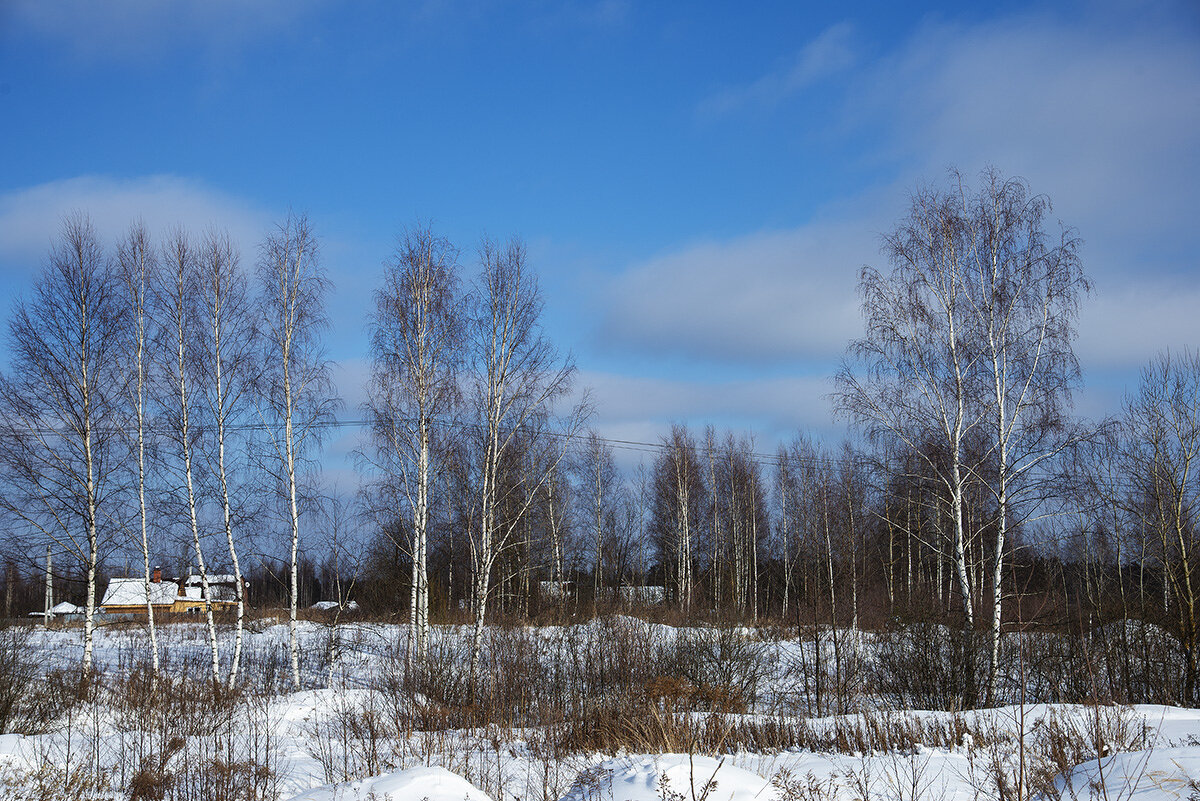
{"points": [[786, 495], [295, 385], [137, 265], [735, 486], [62, 406], [913, 378], [910, 378], [180, 327], [557, 495], [598, 496], [679, 498], [516, 378], [228, 373], [1023, 286], [1162, 422], [416, 337]]}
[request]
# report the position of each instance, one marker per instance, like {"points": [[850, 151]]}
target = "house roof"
{"points": [[218, 591], [214, 578], [132, 592]]}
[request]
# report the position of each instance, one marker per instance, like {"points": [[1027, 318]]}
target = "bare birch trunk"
{"points": [[137, 263], [419, 610], [294, 285], [185, 439], [141, 457], [227, 518], [294, 521], [223, 264], [93, 537]]}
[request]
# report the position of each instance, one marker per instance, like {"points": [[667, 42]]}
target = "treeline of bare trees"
{"points": [[1135, 529], [156, 389]]}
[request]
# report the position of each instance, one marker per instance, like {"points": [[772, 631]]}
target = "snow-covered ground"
{"points": [[333, 741]]}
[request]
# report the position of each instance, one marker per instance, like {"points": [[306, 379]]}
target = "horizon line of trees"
{"points": [[157, 394]]}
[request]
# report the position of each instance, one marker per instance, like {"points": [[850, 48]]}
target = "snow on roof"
{"points": [[214, 578], [654, 593], [326, 606], [66, 608], [132, 592]]}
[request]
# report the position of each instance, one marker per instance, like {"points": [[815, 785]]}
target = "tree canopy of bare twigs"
{"points": [[295, 385], [63, 407], [416, 350], [969, 337]]}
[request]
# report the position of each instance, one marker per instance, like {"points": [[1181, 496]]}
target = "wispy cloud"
{"points": [[131, 30], [831, 52], [1105, 120], [764, 298], [1129, 322], [31, 217], [642, 409]]}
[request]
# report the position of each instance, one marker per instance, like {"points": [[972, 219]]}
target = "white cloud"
{"points": [[31, 217], [1102, 118], [642, 409], [768, 297], [1127, 325], [1105, 119], [830, 53]]}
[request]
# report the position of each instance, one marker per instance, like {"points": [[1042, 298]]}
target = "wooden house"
{"points": [[127, 596]]}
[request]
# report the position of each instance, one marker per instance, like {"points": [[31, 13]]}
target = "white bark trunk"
{"points": [[145, 540], [419, 610], [185, 441], [294, 520], [89, 615], [227, 512]]}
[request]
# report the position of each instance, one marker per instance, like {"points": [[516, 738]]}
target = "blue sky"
{"points": [[698, 183]]}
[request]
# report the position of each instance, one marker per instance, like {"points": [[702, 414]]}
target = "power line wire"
{"points": [[765, 459]]}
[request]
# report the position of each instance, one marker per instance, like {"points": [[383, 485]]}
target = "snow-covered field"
{"points": [[360, 732]]}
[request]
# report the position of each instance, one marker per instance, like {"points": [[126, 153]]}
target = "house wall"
{"points": [[179, 606]]}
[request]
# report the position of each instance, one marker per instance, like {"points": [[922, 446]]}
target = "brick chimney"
{"points": [[157, 575]]}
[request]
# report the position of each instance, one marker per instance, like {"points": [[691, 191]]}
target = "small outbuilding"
{"points": [[643, 594], [64, 611], [331, 606]]}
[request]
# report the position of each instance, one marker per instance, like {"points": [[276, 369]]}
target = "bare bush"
{"points": [[930, 666], [724, 665], [30, 701]]}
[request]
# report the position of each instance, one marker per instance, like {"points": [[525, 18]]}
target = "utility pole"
{"points": [[10, 576]]}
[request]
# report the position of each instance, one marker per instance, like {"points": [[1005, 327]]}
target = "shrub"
{"points": [[931, 666]]}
